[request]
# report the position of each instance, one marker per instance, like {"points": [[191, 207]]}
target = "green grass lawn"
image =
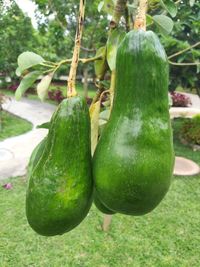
{"points": [[11, 125], [167, 237]]}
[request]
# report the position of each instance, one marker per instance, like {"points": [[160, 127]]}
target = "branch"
{"points": [[88, 49], [184, 64], [71, 90], [140, 21], [184, 50], [119, 11]]}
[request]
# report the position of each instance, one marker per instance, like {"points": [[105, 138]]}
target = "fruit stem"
{"points": [[71, 86], [140, 21]]}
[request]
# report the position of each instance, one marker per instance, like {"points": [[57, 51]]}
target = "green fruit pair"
{"points": [[133, 161]]}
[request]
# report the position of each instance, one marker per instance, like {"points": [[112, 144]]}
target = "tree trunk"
{"points": [[106, 222]]}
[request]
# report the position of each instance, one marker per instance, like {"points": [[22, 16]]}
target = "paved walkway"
{"points": [[15, 151], [189, 111]]}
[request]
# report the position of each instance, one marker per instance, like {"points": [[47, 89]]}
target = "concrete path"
{"points": [[15, 151], [188, 112], [185, 167]]}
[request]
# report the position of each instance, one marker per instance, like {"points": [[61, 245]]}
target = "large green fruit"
{"points": [[133, 161], [35, 156], [60, 189]]}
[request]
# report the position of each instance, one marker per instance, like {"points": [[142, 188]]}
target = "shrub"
{"points": [[56, 95], [13, 87], [180, 100], [190, 131]]}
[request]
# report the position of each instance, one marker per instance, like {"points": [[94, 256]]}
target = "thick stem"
{"points": [[119, 11], [106, 222], [71, 90], [140, 21]]}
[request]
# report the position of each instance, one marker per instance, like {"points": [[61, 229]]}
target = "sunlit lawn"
{"points": [[11, 125]]}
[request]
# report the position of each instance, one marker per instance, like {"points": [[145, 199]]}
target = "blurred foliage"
{"points": [[57, 20], [59, 27], [16, 35], [186, 32]]}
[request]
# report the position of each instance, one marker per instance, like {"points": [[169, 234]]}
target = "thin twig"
{"points": [[71, 90], [184, 50], [184, 64]]}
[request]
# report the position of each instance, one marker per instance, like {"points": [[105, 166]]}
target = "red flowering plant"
{"points": [[180, 100]]}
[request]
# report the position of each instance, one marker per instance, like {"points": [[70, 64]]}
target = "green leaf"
{"points": [[100, 6], [113, 42], [43, 86], [101, 65], [28, 59], [94, 115], [164, 23], [170, 7], [26, 82], [18, 72], [45, 125], [149, 20]]}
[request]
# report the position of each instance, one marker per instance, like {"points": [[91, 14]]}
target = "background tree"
{"points": [[54, 38], [59, 26], [186, 32], [16, 35]]}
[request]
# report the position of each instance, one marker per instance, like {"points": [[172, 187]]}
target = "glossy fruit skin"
{"points": [[100, 206], [134, 159], [60, 190], [35, 156]]}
